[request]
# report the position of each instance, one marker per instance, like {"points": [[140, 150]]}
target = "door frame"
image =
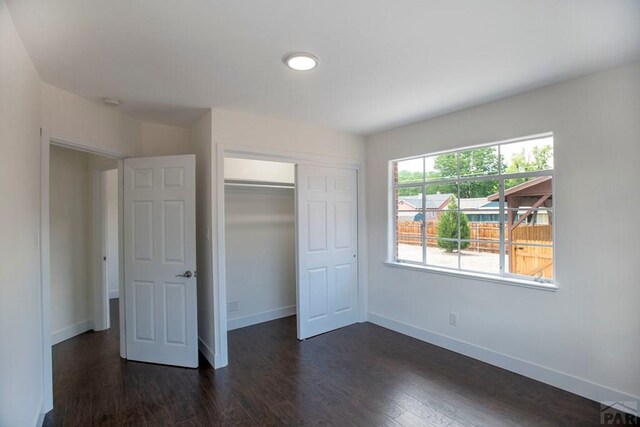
{"points": [[221, 354], [101, 319], [99, 315]]}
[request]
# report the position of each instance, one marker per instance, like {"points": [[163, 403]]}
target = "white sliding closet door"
{"points": [[327, 224]]}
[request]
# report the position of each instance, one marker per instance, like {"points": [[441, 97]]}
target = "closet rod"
{"points": [[264, 184]]}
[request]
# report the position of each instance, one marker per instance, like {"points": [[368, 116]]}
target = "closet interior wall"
{"points": [[260, 251]]}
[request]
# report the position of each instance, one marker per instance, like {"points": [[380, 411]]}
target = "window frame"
{"points": [[502, 276]]}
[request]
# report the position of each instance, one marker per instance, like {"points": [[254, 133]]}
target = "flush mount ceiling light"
{"points": [[301, 61]]}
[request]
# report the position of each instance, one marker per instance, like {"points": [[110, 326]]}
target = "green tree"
{"points": [[405, 176], [448, 228], [538, 160], [476, 162]]}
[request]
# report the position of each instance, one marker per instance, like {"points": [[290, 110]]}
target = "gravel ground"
{"points": [[469, 260]]}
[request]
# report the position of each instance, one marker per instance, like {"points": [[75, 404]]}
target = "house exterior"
{"points": [[479, 209], [409, 208]]}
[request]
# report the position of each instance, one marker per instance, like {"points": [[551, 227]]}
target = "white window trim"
{"points": [[493, 278], [502, 277]]}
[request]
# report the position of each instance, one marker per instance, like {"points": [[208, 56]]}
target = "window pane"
{"points": [[533, 226], [479, 161], [410, 171], [442, 166], [443, 224], [528, 156], [409, 246], [442, 253], [528, 186], [439, 196], [529, 215], [483, 231], [479, 193], [483, 256], [531, 261], [409, 199]]}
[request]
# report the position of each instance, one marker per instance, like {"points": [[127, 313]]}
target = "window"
{"points": [[485, 209]]}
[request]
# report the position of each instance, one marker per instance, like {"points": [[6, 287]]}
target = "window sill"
{"points": [[477, 276]]}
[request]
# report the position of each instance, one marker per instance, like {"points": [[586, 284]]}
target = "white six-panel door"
{"points": [[160, 260], [327, 224]]}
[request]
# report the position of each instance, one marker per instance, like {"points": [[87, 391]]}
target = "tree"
{"points": [[476, 162], [538, 160], [409, 176], [448, 228]]}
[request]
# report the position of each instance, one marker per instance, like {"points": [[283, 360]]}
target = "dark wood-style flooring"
{"points": [[360, 375]]}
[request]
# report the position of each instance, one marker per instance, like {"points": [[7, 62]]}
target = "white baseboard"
{"points": [[564, 381], [71, 331], [114, 294], [265, 316], [206, 352]]}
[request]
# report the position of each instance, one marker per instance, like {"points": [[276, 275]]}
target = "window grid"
{"points": [[501, 177]]}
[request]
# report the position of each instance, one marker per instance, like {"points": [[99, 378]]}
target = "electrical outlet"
{"points": [[453, 319], [232, 306]]}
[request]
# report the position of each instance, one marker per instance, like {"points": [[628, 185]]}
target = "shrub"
{"points": [[448, 228]]}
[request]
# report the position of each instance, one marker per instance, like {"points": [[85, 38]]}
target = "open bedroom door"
{"points": [[160, 260], [327, 250]]}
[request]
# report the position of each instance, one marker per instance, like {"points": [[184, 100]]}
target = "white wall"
{"points": [[260, 254], [586, 334], [90, 123], [242, 129], [163, 140], [259, 170], [113, 278], [21, 376], [71, 236]]}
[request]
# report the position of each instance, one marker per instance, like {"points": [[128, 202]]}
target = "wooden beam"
{"points": [[531, 209]]}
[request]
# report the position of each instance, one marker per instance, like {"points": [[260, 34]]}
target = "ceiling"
{"points": [[383, 63]]}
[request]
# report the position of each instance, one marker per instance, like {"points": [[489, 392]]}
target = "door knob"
{"points": [[186, 274]]}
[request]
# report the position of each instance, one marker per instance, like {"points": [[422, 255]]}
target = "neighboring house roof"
{"points": [[434, 201], [477, 203]]}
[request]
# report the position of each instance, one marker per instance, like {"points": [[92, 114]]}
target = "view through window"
{"points": [[485, 209]]}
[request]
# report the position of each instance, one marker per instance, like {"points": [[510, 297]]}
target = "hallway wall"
{"points": [[71, 242]]}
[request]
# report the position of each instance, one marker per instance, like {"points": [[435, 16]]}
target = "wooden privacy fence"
{"points": [[487, 234], [535, 233], [532, 260]]}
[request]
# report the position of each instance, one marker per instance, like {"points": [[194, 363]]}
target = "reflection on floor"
{"points": [[359, 375]]}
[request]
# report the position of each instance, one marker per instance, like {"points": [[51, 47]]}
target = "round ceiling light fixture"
{"points": [[301, 61]]}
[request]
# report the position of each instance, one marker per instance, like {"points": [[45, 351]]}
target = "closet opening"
{"points": [[260, 241]]}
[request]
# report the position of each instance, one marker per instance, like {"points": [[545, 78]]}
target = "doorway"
{"points": [[156, 212], [78, 211]]}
